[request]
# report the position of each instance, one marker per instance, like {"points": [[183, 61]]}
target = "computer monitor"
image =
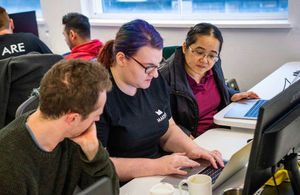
{"points": [[25, 22], [276, 140], [103, 186]]}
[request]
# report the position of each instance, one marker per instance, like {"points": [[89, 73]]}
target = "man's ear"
{"points": [[72, 35], [71, 118], [11, 23], [121, 59]]}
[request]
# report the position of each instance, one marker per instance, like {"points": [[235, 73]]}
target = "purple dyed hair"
{"points": [[131, 36]]}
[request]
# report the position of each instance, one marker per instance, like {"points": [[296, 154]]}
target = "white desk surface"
{"points": [[227, 141], [266, 89]]}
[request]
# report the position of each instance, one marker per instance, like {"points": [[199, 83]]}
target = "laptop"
{"points": [[103, 186], [245, 109], [237, 161]]}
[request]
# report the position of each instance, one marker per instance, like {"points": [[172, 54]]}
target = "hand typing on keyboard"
{"points": [[215, 157], [170, 164], [238, 96]]}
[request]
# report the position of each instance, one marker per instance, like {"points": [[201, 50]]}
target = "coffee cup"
{"points": [[162, 189], [197, 185]]}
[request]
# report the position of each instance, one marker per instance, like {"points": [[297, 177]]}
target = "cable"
{"points": [[297, 76], [285, 81], [273, 175]]}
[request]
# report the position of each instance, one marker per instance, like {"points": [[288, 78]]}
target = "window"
{"points": [[14, 6], [191, 9]]}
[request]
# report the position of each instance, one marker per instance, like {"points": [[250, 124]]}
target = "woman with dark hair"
{"points": [[194, 73], [136, 126]]}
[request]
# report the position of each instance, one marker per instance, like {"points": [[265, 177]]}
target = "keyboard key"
{"points": [[212, 172], [253, 112]]}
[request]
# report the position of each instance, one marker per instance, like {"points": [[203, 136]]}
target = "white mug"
{"points": [[197, 185], [162, 189]]}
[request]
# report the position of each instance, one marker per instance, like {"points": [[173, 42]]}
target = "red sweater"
{"points": [[86, 51]]}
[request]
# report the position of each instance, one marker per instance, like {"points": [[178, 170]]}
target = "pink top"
{"points": [[208, 99]]}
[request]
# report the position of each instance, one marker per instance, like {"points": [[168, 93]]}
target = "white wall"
{"points": [[51, 30], [248, 55]]}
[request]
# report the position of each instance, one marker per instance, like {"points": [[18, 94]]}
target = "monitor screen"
{"points": [[276, 138], [102, 186], [25, 22]]}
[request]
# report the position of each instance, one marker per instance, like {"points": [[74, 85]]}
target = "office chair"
{"points": [[18, 76], [30, 104], [168, 51], [231, 83]]}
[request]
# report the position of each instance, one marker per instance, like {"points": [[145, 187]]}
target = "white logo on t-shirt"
{"points": [[162, 115], [158, 112], [14, 48]]}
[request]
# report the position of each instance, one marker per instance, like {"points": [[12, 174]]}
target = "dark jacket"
{"points": [[183, 103], [18, 76]]}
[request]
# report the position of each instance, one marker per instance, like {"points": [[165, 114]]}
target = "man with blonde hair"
{"points": [[15, 44]]}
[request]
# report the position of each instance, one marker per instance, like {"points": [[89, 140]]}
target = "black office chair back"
{"points": [[18, 76]]}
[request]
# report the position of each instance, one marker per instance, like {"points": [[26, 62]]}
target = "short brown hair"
{"points": [[72, 86], [4, 19]]}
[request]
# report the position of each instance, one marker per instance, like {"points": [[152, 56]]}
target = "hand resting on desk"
{"points": [[250, 94]]}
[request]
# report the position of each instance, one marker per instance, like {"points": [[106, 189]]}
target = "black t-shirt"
{"points": [[20, 43], [131, 126]]}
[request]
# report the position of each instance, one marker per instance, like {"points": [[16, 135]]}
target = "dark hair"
{"points": [[203, 29], [77, 22], [131, 36], [72, 86], [4, 19]]}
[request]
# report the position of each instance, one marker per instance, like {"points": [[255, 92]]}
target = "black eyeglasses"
{"points": [[200, 54], [148, 69]]}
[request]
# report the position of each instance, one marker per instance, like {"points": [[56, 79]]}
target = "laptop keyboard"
{"points": [[212, 172], [253, 112], [209, 170]]}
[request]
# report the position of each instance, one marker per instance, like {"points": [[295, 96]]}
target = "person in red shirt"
{"points": [[78, 37]]}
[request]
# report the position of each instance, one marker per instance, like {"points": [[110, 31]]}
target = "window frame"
{"points": [[276, 20]]}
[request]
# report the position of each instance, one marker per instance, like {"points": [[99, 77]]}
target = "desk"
{"points": [[266, 89], [226, 144]]}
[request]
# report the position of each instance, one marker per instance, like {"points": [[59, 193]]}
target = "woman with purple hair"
{"points": [[136, 126]]}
